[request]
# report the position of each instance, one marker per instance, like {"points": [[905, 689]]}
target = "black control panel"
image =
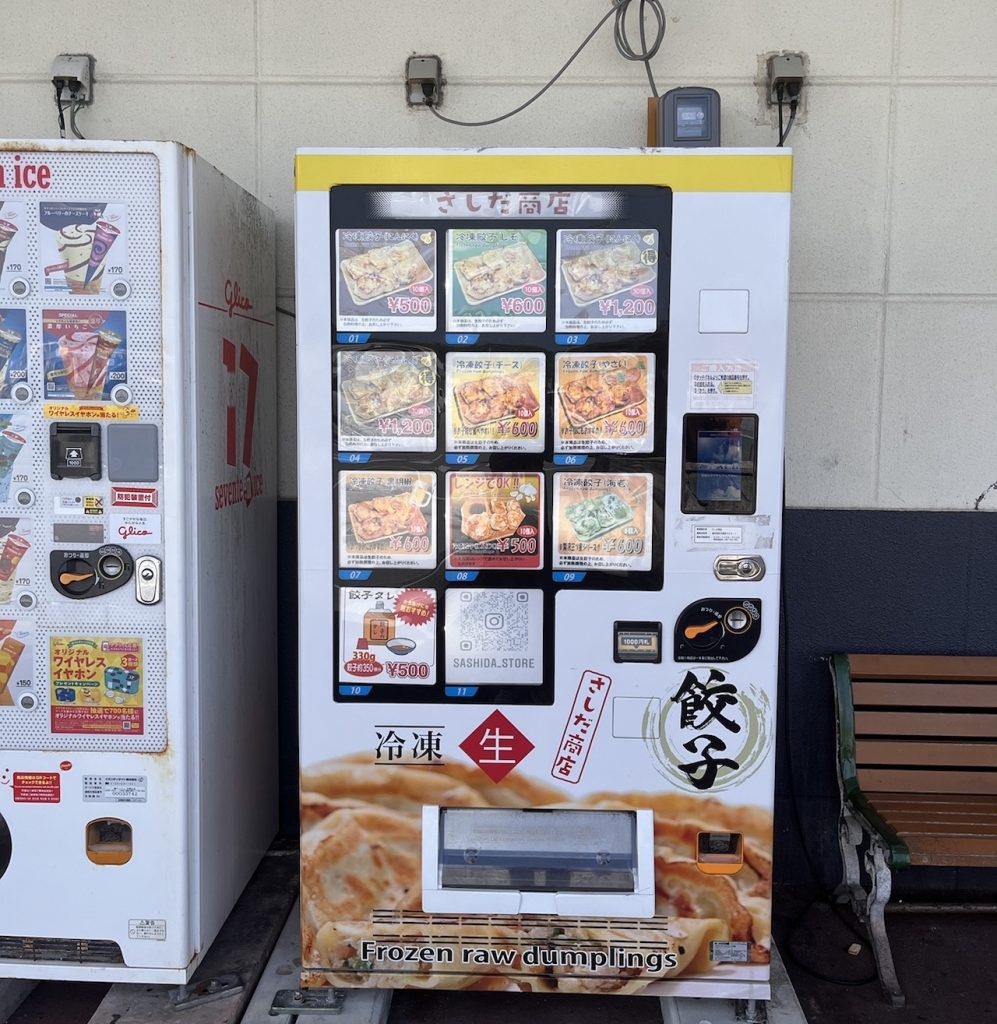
{"points": [[83, 574], [718, 629]]}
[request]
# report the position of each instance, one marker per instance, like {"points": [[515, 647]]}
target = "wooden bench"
{"points": [[917, 771]]}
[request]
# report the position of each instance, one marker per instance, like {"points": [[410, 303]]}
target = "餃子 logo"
{"points": [[711, 733]]}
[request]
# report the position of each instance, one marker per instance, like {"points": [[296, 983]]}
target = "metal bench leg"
{"points": [[849, 840], [879, 896]]}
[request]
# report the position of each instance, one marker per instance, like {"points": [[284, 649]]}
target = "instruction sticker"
{"points": [[498, 280], [147, 928], [387, 401], [723, 385], [387, 519], [717, 534], [13, 244], [85, 354], [37, 787], [385, 280], [79, 504], [605, 403], [495, 402], [96, 685], [115, 789], [495, 520], [387, 635], [494, 637], [607, 280], [13, 348], [82, 247], [602, 521]]}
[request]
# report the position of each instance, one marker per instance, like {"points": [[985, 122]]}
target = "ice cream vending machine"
{"points": [[541, 399], [137, 556]]}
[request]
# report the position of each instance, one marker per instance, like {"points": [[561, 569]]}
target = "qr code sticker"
{"points": [[494, 620], [494, 636]]}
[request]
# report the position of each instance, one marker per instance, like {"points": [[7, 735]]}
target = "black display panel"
{"points": [[719, 464], [500, 359]]}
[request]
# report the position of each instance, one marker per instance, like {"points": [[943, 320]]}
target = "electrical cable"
{"points": [[793, 92], [779, 89], [797, 921], [619, 11], [793, 104], [287, 312], [74, 106], [61, 109], [645, 54]]}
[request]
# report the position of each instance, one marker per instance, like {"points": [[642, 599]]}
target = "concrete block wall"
{"points": [[894, 275]]}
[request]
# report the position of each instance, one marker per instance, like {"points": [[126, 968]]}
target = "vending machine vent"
{"points": [[77, 951]]}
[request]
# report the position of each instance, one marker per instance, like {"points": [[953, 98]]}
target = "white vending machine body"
{"points": [[138, 680], [541, 402]]}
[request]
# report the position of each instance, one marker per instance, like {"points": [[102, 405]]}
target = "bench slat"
{"points": [[934, 695], [925, 723], [927, 780], [967, 801], [971, 846], [911, 753], [921, 666], [944, 860], [918, 827]]}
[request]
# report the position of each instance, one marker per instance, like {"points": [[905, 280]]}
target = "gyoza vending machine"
{"points": [[137, 556], [541, 398]]}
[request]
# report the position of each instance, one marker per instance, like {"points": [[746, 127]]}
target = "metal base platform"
{"points": [[270, 1004], [257, 956]]}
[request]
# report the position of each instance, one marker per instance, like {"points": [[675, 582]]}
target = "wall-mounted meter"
{"points": [[689, 116]]}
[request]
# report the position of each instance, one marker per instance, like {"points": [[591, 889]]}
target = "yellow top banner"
{"points": [[687, 171]]}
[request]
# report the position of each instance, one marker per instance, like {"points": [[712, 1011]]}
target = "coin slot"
{"points": [[109, 841], [111, 566], [737, 620]]}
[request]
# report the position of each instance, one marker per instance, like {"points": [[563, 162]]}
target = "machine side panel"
{"points": [[232, 445]]}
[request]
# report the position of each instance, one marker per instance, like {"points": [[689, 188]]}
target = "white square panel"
{"points": [[723, 311], [629, 715]]}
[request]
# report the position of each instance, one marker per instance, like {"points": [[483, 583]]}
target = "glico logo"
{"points": [[234, 298], [133, 531]]}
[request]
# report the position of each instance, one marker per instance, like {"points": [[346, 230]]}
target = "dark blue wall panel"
{"points": [[863, 581]]}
